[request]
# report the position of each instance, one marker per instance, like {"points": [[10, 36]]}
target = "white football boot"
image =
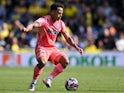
{"points": [[47, 82], [32, 87]]}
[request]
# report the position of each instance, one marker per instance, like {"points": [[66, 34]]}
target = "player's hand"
{"points": [[80, 50], [29, 28], [24, 29]]}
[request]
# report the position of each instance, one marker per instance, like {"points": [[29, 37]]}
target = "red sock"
{"points": [[37, 72], [57, 70]]}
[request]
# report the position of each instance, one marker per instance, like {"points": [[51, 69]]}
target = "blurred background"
{"points": [[95, 25]]}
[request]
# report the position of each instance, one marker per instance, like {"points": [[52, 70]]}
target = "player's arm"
{"points": [[70, 41], [19, 25], [36, 24], [23, 28], [31, 26]]}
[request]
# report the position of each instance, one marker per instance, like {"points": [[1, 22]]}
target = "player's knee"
{"points": [[41, 63], [64, 61]]}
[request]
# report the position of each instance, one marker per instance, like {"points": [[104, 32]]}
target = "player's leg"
{"points": [[37, 72], [61, 61], [42, 61]]}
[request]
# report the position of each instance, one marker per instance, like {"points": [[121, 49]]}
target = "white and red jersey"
{"points": [[48, 31]]}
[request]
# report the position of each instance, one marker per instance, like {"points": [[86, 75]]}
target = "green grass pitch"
{"points": [[91, 80]]}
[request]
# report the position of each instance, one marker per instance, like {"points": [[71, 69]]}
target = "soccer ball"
{"points": [[71, 84]]}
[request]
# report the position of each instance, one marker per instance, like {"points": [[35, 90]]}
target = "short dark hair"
{"points": [[56, 5]]}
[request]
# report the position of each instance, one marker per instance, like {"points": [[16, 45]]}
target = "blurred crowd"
{"points": [[95, 25]]}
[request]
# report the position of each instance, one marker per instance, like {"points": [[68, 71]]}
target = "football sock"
{"points": [[57, 70], [34, 81], [37, 72]]}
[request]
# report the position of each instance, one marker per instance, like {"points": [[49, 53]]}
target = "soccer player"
{"points": [[49, 27]]}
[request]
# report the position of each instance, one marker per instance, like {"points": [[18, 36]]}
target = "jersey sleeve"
{"points": [[63, 27], [41, 21]]}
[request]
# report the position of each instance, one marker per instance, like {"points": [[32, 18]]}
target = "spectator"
{"points": [[5, 30], [70, 10], [107, 9], [33, 40], [120, 42], [15, 46], [108, 40], [23, 42], [99, 44], [34, 8], [2, 13], [80, 27], [88, 16], [2, 43], [9, 40], [91, 47]]}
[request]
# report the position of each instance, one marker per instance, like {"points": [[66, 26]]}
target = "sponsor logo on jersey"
{"points": [[51, 31]]}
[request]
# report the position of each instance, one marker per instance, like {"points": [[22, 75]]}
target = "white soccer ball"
{"points": [[71, 84]]}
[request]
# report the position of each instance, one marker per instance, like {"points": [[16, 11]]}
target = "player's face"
{"points": [[58, 13]]}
